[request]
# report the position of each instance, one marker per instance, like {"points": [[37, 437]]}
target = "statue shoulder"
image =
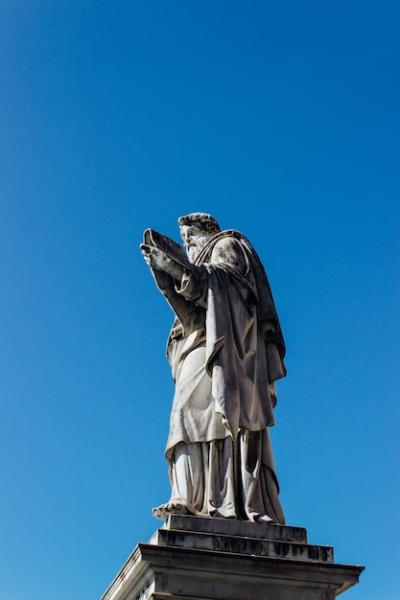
{"points": [[228, 250]]}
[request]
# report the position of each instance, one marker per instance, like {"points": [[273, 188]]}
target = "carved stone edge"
{"points": [[147, 561]]}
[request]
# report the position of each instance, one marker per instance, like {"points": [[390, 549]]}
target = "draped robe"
{"points": [[225, 350]]}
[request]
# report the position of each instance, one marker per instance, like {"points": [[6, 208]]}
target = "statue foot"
{"points": [[264, 519], [170, 508]]}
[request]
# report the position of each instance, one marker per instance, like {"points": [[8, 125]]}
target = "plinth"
{"points": [[195, 558]]}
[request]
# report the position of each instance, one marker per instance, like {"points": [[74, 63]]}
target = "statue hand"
{"points": [[159, 261], [155, 258]]}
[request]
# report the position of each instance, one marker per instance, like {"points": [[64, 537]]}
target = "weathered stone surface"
{"points": [[233, 527], [243, 545], [187, 565]]}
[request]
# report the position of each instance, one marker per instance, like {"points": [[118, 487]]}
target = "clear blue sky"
{"points": [[280, 118]]}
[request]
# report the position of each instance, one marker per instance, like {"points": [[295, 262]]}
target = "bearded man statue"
{"points": [[226, 351]]}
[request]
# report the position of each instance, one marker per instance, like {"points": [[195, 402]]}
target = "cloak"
{"points": [[229, 302]]}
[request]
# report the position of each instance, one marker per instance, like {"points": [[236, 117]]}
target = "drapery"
{"points": [[226, 350]]}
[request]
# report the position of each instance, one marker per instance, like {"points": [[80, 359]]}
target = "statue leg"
{"points": [[221, 479], [257, 485], [202, 480], [224, 479], [186, 472]]}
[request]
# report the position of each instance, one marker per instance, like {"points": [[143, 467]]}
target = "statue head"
{"points": [[196, 229]]}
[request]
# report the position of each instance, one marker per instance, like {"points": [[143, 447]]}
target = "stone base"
{"points": [[194, 558]]}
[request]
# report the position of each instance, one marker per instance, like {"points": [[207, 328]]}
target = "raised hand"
{"points": [[157, 260]]}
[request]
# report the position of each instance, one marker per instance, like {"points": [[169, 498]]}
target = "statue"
{"points": [[226, 351]]}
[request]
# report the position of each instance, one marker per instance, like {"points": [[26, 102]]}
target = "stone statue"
{"points": [[226, 350]]}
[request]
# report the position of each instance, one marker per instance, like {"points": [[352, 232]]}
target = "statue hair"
{"points": [[203, 220]]}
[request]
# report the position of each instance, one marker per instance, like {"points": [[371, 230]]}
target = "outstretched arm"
{"points": [[170, 276]]}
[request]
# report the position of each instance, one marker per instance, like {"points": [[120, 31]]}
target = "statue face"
{"points": [[194, 239]]}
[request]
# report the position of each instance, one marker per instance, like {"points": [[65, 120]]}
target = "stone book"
{"points": [[172, 249]]}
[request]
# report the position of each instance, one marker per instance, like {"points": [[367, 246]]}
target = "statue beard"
{"points": [[193, 250], [192, 253]]}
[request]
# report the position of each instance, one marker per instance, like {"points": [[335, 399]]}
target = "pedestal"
{"points": [[194, 558]]}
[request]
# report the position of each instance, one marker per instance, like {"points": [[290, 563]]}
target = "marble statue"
{"points": [[226, 351]]}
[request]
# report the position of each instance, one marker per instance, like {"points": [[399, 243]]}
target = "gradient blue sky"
{"points": [[282, 119]]}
